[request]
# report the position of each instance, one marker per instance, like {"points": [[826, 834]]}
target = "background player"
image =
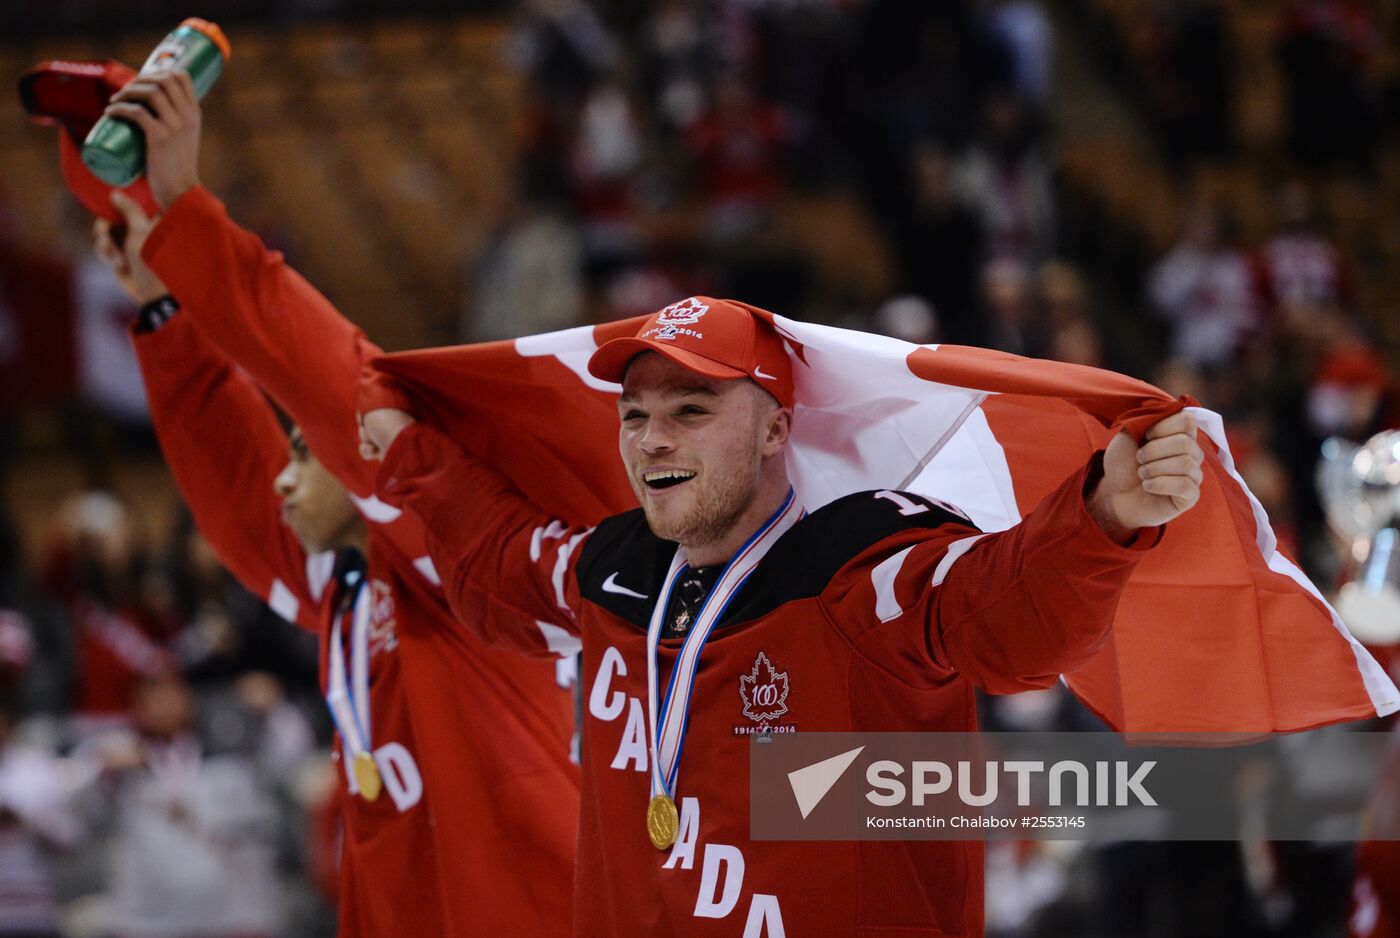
{"points": [[474, 833]]}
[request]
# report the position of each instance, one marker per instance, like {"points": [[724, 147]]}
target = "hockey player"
{"points": [[461, 799], [880, 611]]}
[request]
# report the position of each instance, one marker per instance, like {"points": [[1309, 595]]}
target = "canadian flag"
{"points": [[1217, 631]]}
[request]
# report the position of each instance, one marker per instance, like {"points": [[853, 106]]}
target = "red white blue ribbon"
{"points": [[348, 700], [669, 721]]}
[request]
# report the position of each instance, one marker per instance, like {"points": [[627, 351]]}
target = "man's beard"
{"points": [[717, 507]]}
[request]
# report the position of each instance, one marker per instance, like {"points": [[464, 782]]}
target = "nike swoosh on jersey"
{"points": [[610, 585]]}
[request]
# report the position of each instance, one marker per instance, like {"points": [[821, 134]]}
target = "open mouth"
{"points": [[660, 479]]}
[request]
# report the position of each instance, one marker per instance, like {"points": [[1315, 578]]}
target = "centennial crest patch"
{"points": [[764, 691]]}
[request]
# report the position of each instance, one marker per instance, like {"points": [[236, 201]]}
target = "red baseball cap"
{"points": [[72, 95], [716, 338]]}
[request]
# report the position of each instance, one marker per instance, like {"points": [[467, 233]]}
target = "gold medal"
{"points": [[367, 777], [662, 821]]}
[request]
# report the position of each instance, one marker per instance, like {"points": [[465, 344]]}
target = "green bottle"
{"points": [[115, 149]]}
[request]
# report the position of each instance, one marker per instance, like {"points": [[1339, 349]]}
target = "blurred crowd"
{"points": [[666, 146], [161, 747], [1335, 97], [163, 762], [149, 708]]}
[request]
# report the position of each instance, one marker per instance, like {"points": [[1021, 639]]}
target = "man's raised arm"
{"points": [[1016, 609], [243, 297], [495, 550], [222, 444], [224, 447]]}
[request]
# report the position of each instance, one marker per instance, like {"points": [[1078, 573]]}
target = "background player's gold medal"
{"points": [[367, 777], [662, 821]]}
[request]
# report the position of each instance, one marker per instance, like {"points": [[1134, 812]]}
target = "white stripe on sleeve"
{"points": [[425, 566], [561, 564], [560, 641], [882, 578], [955, 550]]}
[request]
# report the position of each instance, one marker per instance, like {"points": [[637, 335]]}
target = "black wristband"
{"points": [[156, 313]]}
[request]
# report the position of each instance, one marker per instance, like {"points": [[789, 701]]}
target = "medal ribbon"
{"points": [[349, 700], [667, 736]]}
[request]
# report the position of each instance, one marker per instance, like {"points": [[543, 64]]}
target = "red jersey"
{"points": [[881, 610], [485, 845]]}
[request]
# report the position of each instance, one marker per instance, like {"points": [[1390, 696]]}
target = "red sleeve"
{"points": [[1011, 611], [271, 321], [495, 551], [224, 448]]}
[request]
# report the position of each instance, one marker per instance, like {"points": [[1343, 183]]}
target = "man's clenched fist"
{"points": [[379, 428], [1144, 486]]}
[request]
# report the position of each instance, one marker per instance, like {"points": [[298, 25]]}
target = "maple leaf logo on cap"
{"points": [[685, 313], [764, 691]]}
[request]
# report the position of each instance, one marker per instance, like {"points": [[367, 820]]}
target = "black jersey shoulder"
{"points": [[804, 561], [623, 564]]}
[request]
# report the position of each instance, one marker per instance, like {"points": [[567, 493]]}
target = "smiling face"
{"points": [[314, 503], [703, 455]]}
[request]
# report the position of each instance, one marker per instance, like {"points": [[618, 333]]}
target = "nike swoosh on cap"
{"points": [[610, 586], [759, 373]]}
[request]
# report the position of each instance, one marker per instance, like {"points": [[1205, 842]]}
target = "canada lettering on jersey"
{"points": [[402, 780], [723, 876], [722, 866]]}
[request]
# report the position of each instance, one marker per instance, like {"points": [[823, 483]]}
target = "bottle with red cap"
{"points": [[115, 149]]}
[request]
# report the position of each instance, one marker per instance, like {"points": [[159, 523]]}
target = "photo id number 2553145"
{"points": [[1044, 822]]}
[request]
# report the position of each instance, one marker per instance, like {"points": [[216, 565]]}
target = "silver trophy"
{"points": [[1360, 489]]}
